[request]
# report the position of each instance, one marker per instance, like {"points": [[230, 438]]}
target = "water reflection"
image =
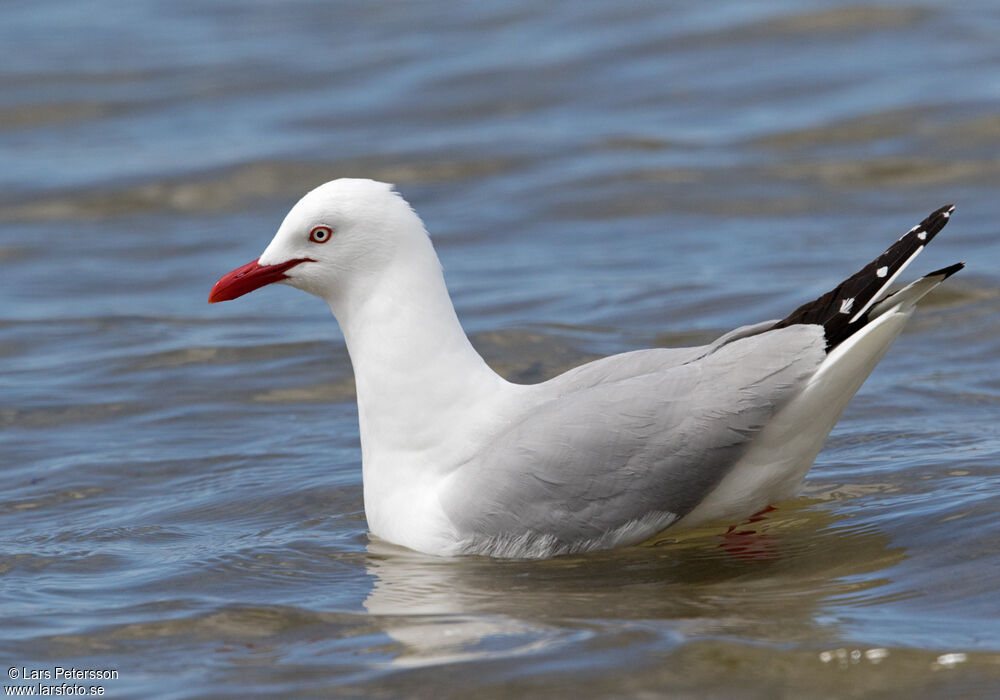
{"points": [[770, 579]]}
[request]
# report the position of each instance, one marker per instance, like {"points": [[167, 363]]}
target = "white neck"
{"points": [[418, 376]]}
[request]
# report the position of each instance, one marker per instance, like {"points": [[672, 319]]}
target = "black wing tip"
{"points": [[933, 224], [944, 212], [946, 272], [838, 310]]}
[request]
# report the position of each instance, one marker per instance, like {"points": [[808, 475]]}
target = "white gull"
{"points": [[457, 460]]}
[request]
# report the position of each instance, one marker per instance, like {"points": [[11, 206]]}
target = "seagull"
{"points": [[457, 460]]}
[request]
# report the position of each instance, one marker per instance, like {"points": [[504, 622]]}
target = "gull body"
{"points": [[458, 460]]}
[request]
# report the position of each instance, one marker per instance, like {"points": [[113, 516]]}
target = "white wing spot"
{"points": [[922, 235], [882, 271], [946, 214], [845, 305]]}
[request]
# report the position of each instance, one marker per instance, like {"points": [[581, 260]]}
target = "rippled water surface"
{"points": [[182, 496]]}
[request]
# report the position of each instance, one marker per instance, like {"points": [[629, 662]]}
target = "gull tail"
{"points": [[864, 296], [860, 320]]}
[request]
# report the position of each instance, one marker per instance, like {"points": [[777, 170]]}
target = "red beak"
{"points": [[251, 276]]}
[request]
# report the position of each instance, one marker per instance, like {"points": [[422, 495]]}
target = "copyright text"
{"points": [[34, 681]]}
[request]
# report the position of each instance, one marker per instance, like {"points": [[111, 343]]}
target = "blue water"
{"points": [[183, 491]]}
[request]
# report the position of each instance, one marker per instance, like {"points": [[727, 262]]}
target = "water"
{"points": [[182, 495]]}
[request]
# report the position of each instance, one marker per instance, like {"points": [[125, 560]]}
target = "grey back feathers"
{"points": [[648, 432]]}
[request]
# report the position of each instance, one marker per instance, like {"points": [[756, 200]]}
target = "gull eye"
{"points": [[320, 234]]}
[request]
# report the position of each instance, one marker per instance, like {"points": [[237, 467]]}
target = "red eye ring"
{"points": [[321, 234]]}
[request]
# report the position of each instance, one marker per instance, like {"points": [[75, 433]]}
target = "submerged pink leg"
{"points": [[749, 544]]}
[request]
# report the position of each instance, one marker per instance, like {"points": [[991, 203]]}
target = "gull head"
{"points": [[334, 243]]}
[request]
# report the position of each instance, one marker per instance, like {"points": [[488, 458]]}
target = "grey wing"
{"points": [[595, 457], [641, 362]]}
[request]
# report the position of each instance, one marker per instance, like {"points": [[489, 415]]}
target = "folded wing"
{"points": [[617, 461]]}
